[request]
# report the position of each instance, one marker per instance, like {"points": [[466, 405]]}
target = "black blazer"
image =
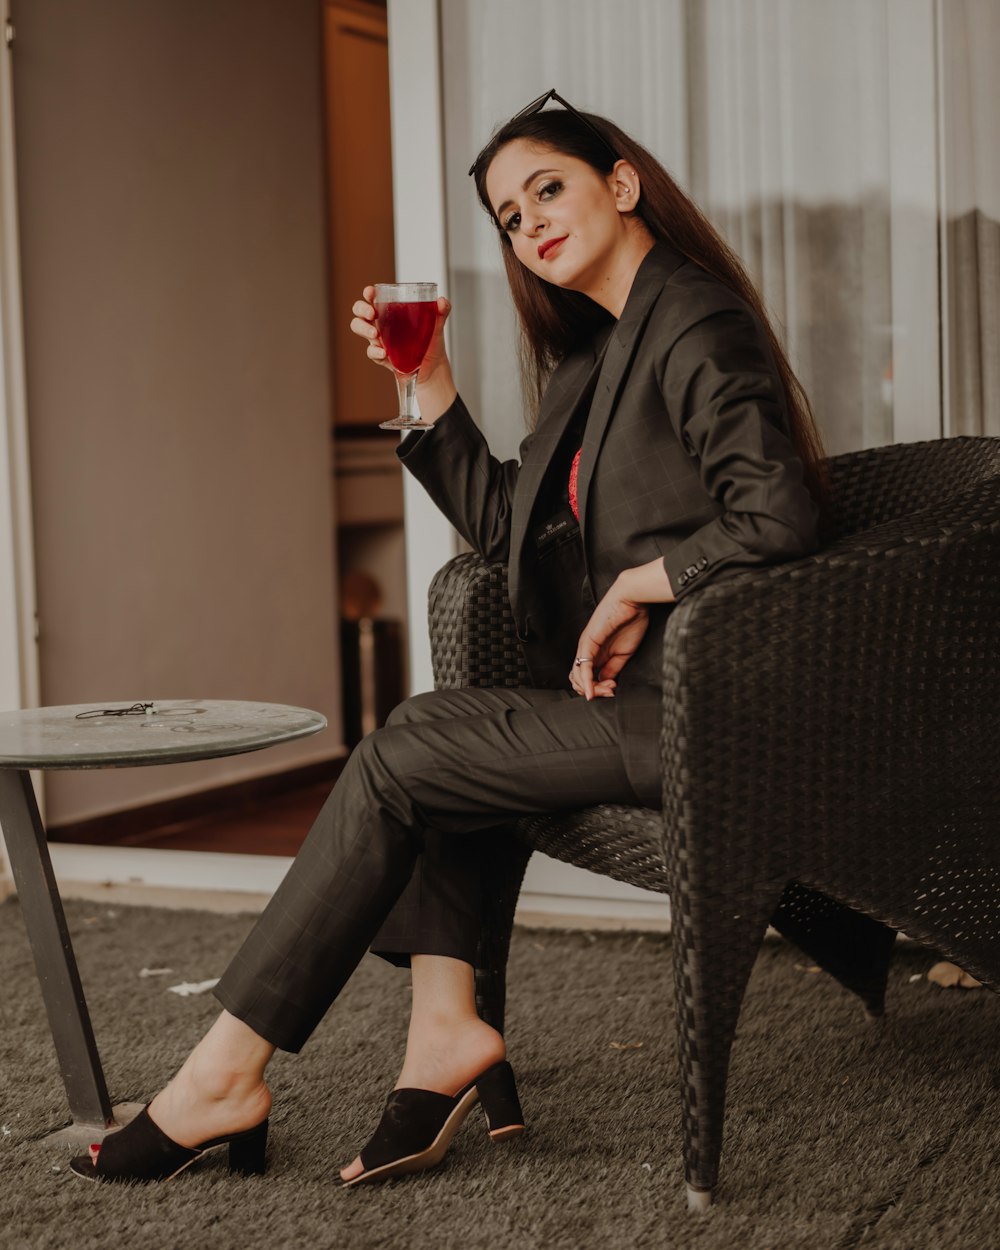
{"points": [[687, 456]]}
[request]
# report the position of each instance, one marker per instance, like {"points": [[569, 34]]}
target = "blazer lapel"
{"points": [[569, 387], [657, 265], [564, 394]]}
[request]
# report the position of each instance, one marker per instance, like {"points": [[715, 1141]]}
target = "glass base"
{"points": [[406, 423]]}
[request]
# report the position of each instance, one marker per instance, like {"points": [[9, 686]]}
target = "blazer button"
{"points": [[691, 571], [703, 562]]}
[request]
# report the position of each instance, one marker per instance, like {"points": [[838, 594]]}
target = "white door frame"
{"points": [[18, 643], [418, 179]]}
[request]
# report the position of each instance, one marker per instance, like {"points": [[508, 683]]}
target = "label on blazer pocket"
{"points": [[559, 528]]}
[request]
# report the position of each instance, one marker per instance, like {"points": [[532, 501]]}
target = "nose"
{"points": [[533, 222]]}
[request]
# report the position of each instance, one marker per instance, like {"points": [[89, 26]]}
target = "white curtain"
{"points": [[802, 128], [623, 61], [970, 54], [789, 120]]}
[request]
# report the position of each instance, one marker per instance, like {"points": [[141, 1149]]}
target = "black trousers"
{"points": [[391, 861]]}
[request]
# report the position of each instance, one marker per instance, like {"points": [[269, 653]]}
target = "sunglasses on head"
{"points": [[536, 106]]}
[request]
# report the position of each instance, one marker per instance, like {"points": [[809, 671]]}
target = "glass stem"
{"points": [[406, 384]]}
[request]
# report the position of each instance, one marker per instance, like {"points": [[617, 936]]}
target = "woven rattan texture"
{"points": [[474, 642], [852, 747], [888, 483], [830, 745], [625, 843]]}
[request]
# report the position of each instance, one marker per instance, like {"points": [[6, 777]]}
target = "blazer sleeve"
{"points": [[473, 489], [724, 397]]}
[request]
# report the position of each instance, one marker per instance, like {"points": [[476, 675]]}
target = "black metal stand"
{"points": [[55, 962]]}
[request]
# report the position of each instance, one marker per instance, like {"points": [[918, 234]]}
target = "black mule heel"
{"points": [[141, 1151], [248, 1154], [498, 1098], [417, 1125]]}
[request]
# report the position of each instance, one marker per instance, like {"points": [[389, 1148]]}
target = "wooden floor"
{"points": [[274, 826]]}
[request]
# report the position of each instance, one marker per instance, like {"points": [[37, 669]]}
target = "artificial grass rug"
{"points": [[839, 1134]]}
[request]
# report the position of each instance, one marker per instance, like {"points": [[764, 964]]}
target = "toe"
{"points": [[93, 1150], [83, 1165], [352, 1170]]}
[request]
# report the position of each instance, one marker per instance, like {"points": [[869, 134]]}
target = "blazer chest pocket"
{"points": [[559, 530], [561, 565]]}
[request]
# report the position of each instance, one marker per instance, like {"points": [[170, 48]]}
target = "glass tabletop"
{"points": [[168, 731]]}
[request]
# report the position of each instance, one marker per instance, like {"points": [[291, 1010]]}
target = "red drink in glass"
{"points": [[406, 331], [405, 315]]}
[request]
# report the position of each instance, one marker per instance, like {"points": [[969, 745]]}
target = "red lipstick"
{"points": [[549, 245]]}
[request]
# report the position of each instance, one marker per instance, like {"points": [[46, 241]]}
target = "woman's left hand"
{"points": [[611, 637]]}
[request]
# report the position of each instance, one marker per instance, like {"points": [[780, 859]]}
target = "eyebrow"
{"points": [[525, 185]]}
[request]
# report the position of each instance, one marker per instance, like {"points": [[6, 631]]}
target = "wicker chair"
{"points": [[830, 735]]}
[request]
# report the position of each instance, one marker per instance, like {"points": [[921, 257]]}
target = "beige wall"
{"points": [[171, 206]]}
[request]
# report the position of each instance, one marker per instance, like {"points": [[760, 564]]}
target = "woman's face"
{"points": [[564, 220]]}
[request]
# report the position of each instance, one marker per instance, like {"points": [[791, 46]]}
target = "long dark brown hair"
{"points": [[555, 321]]}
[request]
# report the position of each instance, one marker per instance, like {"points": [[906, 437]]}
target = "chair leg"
{"points": [[715, 943], [504, 864], [852, 947]]}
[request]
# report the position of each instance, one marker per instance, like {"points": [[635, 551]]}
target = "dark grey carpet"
{"points": [[839, 1134]]}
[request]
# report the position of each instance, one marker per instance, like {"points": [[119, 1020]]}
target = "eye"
{"points": [[548, 191]]}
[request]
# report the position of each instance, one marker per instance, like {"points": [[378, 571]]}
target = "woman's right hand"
{"points": [[365, 325]]}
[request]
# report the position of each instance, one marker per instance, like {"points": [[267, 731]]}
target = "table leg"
{"points": [[45, 921]]}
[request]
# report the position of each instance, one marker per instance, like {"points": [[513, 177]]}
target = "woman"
{"points": [[673, 446]]}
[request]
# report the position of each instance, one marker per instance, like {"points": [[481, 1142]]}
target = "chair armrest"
{"points": [[473, 639], [834, 610], [833, 719]]}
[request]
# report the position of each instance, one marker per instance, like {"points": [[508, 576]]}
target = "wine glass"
{"points": [[406, 314]]}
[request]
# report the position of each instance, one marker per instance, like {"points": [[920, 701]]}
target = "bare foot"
{"points": [[444, 1059]]}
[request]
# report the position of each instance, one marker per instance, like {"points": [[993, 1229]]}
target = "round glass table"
{"points": [[115, 735]]}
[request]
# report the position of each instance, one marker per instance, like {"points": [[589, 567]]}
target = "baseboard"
{"points": [[540, 912], [226, 902], [113, 828]]}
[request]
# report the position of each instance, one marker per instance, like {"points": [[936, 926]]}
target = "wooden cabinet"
{"points": [[368, 479], [367, 476], [359, 198]]}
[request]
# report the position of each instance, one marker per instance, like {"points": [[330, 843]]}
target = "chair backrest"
{"points": [[886, 483]]}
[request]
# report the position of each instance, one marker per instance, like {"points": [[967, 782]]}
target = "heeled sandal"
{"points": [[141, 1151], [417, 1125]]}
